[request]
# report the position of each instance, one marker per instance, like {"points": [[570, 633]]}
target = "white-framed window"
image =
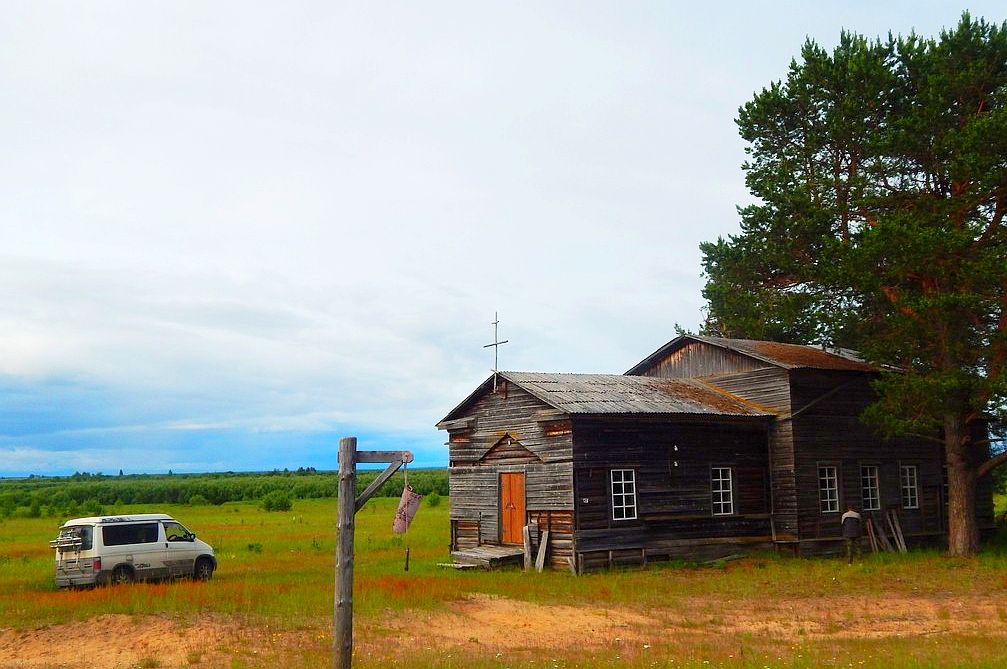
{"points": [[828, 488], [623, 494], [722, 490], [910, 488], [870, 491]]}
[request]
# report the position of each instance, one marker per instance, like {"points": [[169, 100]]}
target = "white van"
{"points": [[121, 549]]}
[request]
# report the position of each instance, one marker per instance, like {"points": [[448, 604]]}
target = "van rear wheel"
{"points": [[122, 574], [203, 570]]}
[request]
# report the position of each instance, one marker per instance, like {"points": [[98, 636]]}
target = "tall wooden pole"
{"points": [[342, 631], [349, 456]]}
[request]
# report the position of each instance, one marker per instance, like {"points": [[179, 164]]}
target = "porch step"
{"points": [[489, 556]]}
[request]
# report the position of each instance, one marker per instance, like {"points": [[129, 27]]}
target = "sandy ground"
{"points": [[503, 624], [487, 623], [120, 641]]}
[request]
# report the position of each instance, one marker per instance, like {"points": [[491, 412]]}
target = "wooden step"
{"points": [[489, 556]]}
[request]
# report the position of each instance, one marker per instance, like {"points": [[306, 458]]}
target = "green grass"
{"points": [[276, 568]]}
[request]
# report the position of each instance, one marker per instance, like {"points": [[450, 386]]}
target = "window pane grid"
{"points": [[910, 491], [869, 487], [623, 494], [828, 489], [722, 491]]}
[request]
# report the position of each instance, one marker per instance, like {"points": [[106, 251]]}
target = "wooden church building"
{"points": [[708, 447]]}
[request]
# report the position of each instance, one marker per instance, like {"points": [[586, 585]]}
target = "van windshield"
{"points": [[175, 532], [70, 537], [120, 535]]}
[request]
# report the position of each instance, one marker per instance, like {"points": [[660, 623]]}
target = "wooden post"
{"points": [[342, 631], [543, 546], [342, 624]]}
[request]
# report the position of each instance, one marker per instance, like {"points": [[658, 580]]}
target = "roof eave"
{"points": [[442, 424], [684, 416]]}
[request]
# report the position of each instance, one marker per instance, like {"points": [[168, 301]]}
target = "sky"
{"points": [[233, 232]]}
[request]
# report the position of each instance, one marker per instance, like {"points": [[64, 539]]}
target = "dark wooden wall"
{"points": [[830, 432], [985, 512], [511, 431], [674, 503], [769, 389]]}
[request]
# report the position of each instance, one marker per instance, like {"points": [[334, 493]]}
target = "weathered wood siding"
{"points": [[475, 513], [769, 389], [675, 516], [829, 432], [699, 359], [766, 386], [509, 433], [510, 411], [560, 527]]}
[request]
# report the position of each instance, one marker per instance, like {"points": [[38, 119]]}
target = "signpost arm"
{"points": [[401, 458]]}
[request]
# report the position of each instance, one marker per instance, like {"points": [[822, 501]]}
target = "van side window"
{"points": [[175, 532], [121, 535]]}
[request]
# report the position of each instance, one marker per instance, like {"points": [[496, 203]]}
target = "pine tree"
{"points": [[880, 172]]}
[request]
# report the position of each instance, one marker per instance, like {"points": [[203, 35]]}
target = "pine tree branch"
{"points": [[991, 464], [925, 437]]}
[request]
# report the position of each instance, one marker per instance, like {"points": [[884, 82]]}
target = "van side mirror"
{"points": [[190, 536]]}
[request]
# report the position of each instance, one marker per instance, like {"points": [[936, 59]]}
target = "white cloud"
{"points": [[304, 217]]}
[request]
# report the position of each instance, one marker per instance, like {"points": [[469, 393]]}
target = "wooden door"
{"points": [[512, 515]]}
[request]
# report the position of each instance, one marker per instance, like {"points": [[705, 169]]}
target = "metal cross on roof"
{"points": [[496, 347]]}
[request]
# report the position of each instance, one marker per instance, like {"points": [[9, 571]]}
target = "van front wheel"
{"points": [[203, 570], [122, 575]]}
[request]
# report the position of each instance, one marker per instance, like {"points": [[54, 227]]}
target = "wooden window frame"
{"points": [[714, 491], [619, 499], [903, 468], [837, 478], [864, 487]]}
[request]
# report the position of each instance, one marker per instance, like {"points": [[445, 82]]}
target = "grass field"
{"points": [[270, 604]]}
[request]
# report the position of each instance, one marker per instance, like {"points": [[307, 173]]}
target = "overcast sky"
{"points": [[231, 233]]}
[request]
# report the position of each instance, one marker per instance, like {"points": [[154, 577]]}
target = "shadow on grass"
{"points": [[997, 543]]}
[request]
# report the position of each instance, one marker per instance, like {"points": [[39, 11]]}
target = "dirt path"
{"points": [[120, 641], [501, 623], [482, 623]]}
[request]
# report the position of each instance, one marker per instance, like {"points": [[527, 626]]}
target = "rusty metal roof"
{"points": [[796, 355], [788, 356], [592, 394]]}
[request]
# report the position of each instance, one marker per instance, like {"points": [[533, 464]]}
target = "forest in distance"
{"points": [[84, 494]]}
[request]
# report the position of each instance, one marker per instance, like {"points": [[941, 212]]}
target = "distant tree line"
{"points": [[85, 493]]}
